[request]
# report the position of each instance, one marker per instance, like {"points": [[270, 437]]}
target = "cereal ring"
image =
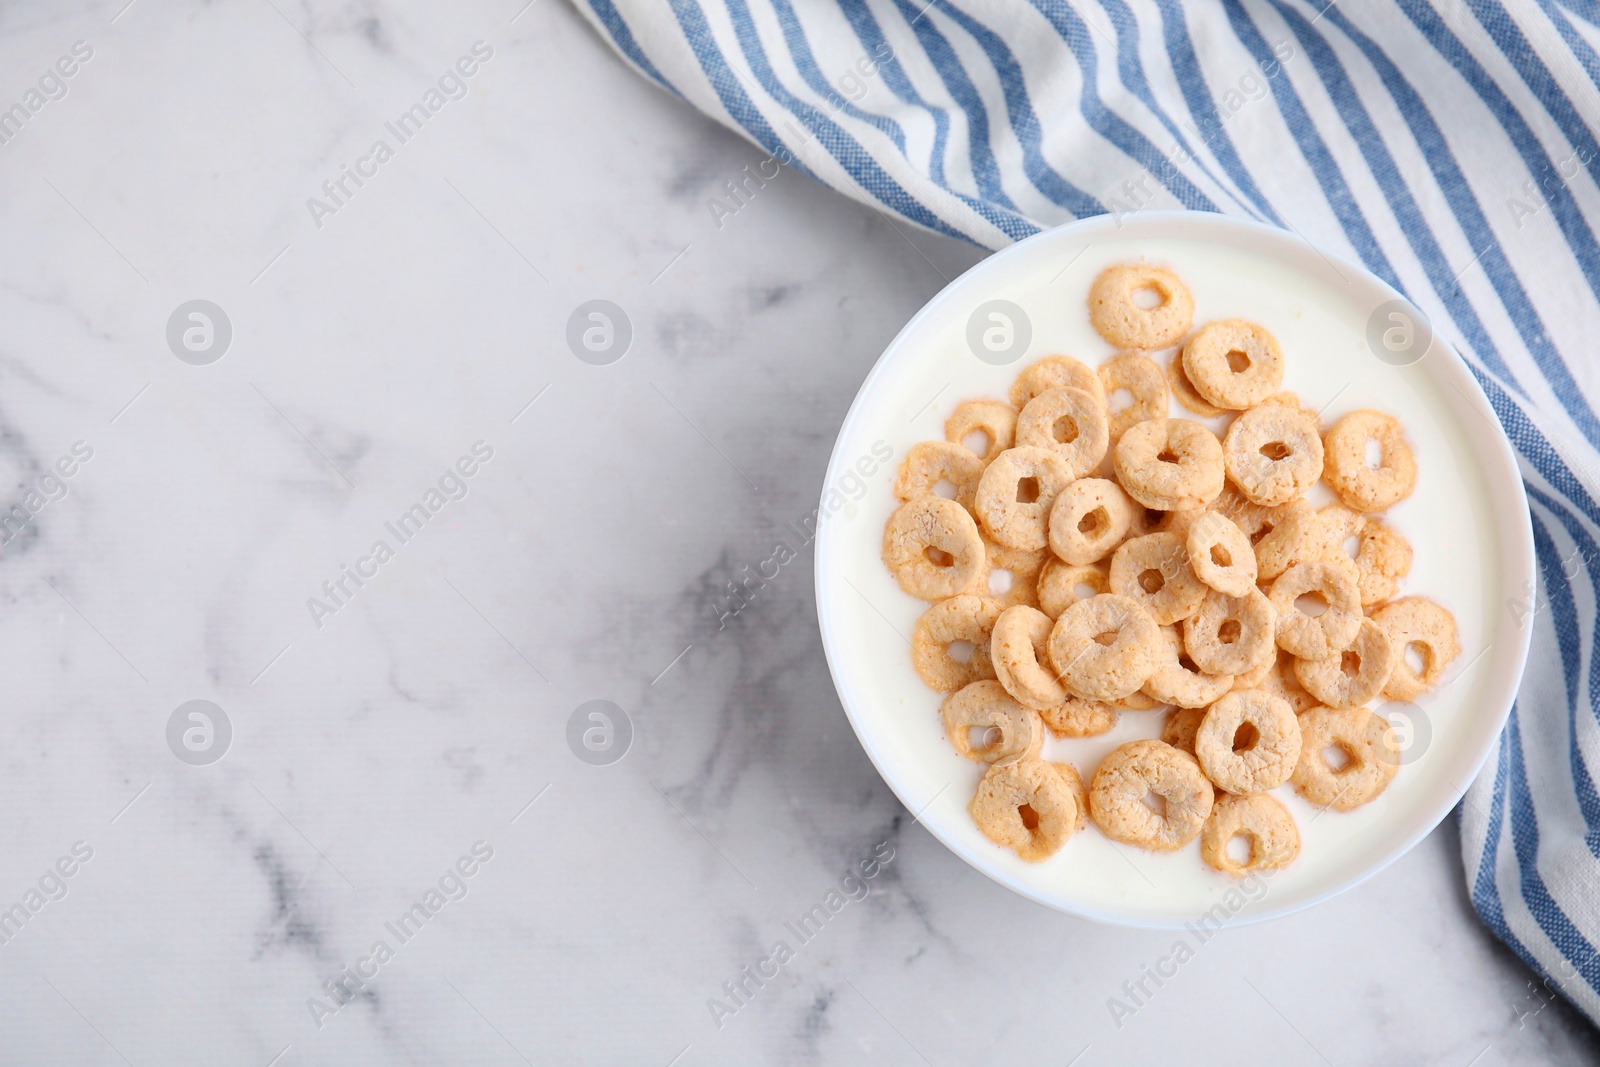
{"points": [[1137, 769], [1360, 486], [1234, 363], [1104, 648], [1221, 555], [933, 548], [1006, 729], [1154, 572], [1076, 717], [1169, 464], [1382, 557], [1316, 636], [1273, 453], [1070, 422], [1147, 520], [1142, 378], [1368, 765], [1232, 505], [1293, 400], [1283, 536], [1124, 321], [1138, 701], [1080, 792], [1019, 646], [1334, 553], [1153, 520], [1184, 392], [1249, 743], [1013, 575], [1350, 678], [1178, 522], [1264, 823], [1231, 634], [1025, 805], [1060, 585], [928, 463], [967, 619], [1417, 627], [995, 420], [1055, 372], [1282, 682], [1015, 494], [1180, 727], [1178, 681], [1088, 519]]}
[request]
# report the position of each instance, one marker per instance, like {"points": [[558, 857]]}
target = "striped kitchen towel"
{"points": [[1449, 147]]}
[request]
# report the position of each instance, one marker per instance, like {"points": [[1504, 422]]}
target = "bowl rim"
{"points": [[1520, 557]]}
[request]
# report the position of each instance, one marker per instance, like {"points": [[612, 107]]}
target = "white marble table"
{"points": [[422, 714]]}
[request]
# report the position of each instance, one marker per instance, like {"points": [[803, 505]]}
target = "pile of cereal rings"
{"points": [[1082, 562]]}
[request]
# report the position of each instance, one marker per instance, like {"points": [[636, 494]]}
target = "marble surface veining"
{"points": [[395, 723]]}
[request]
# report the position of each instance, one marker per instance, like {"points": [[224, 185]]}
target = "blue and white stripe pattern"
{"points": [[1449, 147]]}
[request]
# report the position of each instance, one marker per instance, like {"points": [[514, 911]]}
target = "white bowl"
{"points": [[1467, 520]]}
